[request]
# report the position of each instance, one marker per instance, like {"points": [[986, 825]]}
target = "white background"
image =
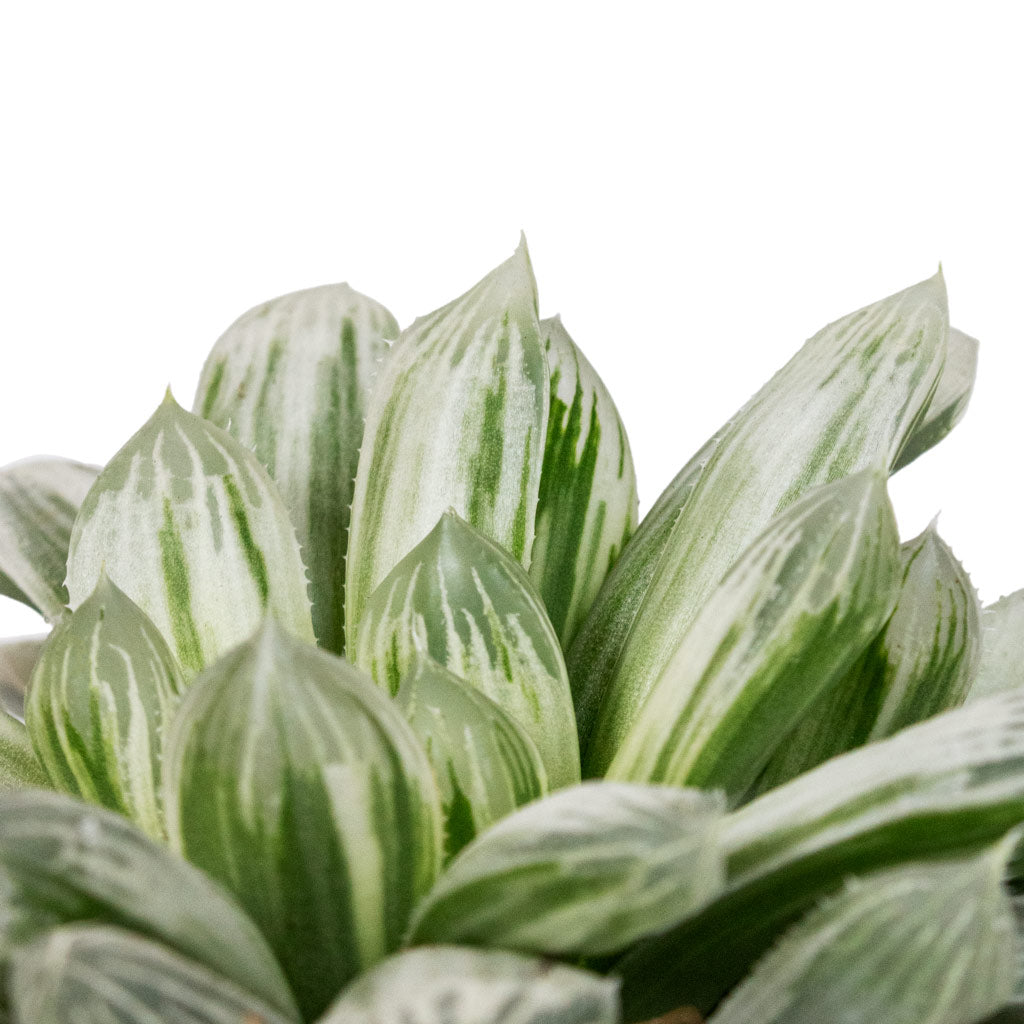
{"points": [[703, 186]]}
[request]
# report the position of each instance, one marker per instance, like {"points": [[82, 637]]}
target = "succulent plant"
{"points": [[367, 698]]}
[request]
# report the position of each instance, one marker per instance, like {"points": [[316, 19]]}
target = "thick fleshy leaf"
{"points": [[587, 507], [1001, 666], [39, 499], [456, 420], [18, 656], [470, 606], [188, 524], [19, 766], [95, 974], [485, 764], [452, 985], [927, 942], [792, 615], [63, 861], [293, 780], [102, 694], [290, 380], [922, 663], [848, 400], [941, 788], [587, 870]]}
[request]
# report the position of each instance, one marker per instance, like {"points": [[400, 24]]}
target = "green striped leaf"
{"points": [[926, 942], [19, 766], [449, 985], [789, 619], [456, 420], [945, 787], [104, 690], [39, 499], [63, 861], [95, 974], [1001, 665], [469, 605], [849, 399], [188, 524], [584, 871], [290, 380], [293, 780], [484, 763], [587, 506], [18, 656], [922, 663]]}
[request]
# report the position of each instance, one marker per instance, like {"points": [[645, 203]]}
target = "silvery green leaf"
{"points": [[846, 401], [930, 942], [587, 507], [587, 870], [19, 766], [102, 694], [461, 599], [18, 656], [792, 615], [484, 763], [95, 974], [456, 420], [941, 788], [188, 524], [290, 380], [452, 985], [1001, 666], [63, 861], [297, 783], [39, 499]]}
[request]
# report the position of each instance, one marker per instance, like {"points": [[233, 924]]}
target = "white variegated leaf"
{"points": [[470, 606], [587, 870], [453, 985], [187, 523], [19, 766], [290, 380], [39, 499], [1001, 666], [18, 656], [299, 785], [456, 420]]}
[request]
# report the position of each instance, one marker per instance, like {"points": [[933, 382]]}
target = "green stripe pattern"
{"points": [[104, 691], [187, 523], [470, 606], [848, 400], [785, 625], [926, 942], [1001, 666], [587, 506], [19, 766], [452, 985], [294, 781], [18, 656], [484, 763], [290, 380], [63, 861], [588, 870], [456, 420], [39, 499], [95, 974]]}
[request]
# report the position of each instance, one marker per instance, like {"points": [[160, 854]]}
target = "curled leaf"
{"points": [[1001, 665]]}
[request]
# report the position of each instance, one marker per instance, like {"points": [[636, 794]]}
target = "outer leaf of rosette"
{"points": [[102, 694], [484, 762], [19, 765], [18, 657], [456, 419], [188, 524], [290, 379], [298, 784], [470, 606]]}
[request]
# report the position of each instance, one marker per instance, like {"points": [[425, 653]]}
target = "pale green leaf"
{"points": [[789, 619], [39, 499], [587, 870], [451, 985], [290, 380], [102, 694], [297, 783], [470, 606], [587, 507], [456, 420], [1001, 666], [18, 656], [19, 766], [485, 764], [188, 524], [63, 861], [95, 974]]}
